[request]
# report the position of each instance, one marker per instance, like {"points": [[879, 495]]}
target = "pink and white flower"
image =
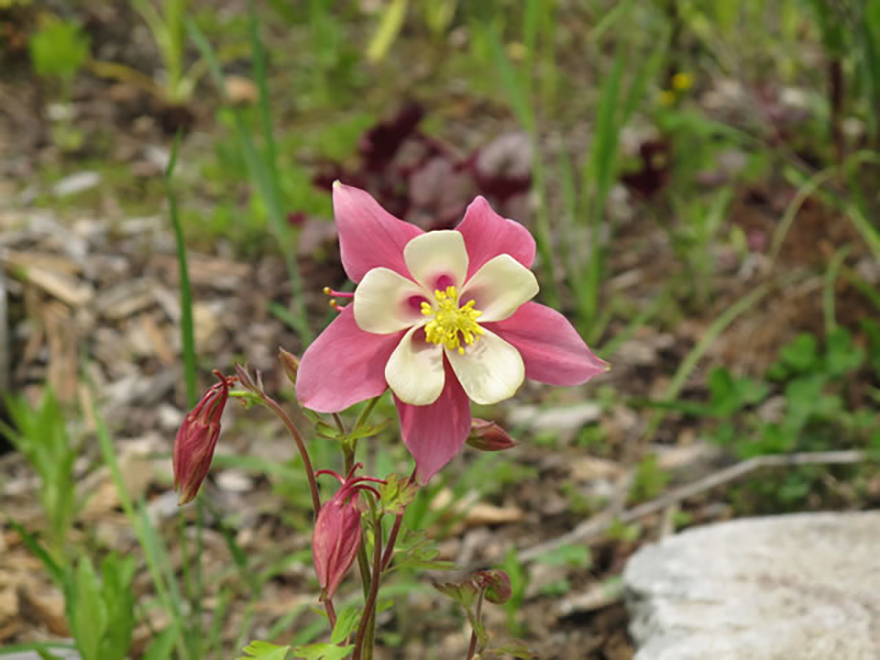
{"points": [[442, 318]]}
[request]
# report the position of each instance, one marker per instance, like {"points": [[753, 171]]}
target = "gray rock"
{"points": [[800, 587], [558, 418], [76, 183]]}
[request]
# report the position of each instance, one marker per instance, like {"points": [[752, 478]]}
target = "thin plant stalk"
{"points": [[188, 342], [478, 613], [370, 604], [301, 446], [187, 332], [262, 171], [828, 299]]}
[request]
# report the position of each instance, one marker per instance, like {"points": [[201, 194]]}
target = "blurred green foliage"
{"points": [[59, 50]]}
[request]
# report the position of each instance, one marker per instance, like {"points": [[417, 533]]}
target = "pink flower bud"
{"points": [[488, 436], [337, 534], [197, 438]]}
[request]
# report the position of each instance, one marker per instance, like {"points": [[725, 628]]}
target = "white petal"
{"points": [[385, 302], [415, 370], [435, 256], [490, 370], [499, 288]]}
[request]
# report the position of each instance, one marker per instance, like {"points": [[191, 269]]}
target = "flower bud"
{"points": [[488, 436], [496, 585], [337, 534], [290, 363], [336, 540], [196, 440]]}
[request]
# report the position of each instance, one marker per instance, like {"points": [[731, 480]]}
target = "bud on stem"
{"points": [[337, 535], [290, 363], [488, 436], [197, 438]]}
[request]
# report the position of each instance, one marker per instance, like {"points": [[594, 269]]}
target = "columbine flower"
{"points": [[197, 438], [442, 318], [337, 534]]}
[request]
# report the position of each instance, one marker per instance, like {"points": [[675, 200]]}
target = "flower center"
{"points": [[451, 324]]}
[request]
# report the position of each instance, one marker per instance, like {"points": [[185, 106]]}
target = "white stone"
{"points": [[799, 587], [76, 183], [560, 418]]}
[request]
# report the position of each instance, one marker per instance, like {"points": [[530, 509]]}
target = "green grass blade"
{"points": [[266, 185], [37, 647], [389, 27], [259, 57], [693, 358], [54, 569], [187, 331], [828, 298], [858, 215], [598, 176], [608, 21], [166, 587], [607, 351]]}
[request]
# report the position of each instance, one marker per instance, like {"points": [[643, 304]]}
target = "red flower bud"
{"points": [[488, 436], [337, 534], [197, 438]]}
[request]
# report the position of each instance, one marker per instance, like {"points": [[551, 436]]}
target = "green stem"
{"points": [[395, 530], [477, 616], [370, 604], [339, 424], [361, 420], [363, 562]]}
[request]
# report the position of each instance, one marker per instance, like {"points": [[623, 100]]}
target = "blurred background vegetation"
{"points": [[701, 180]]}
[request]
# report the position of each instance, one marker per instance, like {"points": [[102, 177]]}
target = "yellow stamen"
{"points": [[452, 323]]}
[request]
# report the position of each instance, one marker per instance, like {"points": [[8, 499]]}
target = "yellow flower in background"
{"points": [[682, 82]]}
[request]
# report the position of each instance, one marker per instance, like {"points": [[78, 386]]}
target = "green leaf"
{"points": [[346, 622], [118, 598], [730, 394], [59, 49], [801, 354], [265, 651], [463, 593], [514, 647], [160, 648], [86, 611], [841, 357], [322, 652], [396, 494], [871, 328]]}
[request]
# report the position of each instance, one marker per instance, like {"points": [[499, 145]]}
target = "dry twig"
{"points": [[595, 527]]}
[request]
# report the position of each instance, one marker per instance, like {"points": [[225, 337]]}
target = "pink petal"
{"points": [[369, 236], [434, 434], [487, 234], [344, 365], [551, 348]]}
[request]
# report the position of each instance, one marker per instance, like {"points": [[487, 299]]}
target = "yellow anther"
{"points": [[452, 324]]}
